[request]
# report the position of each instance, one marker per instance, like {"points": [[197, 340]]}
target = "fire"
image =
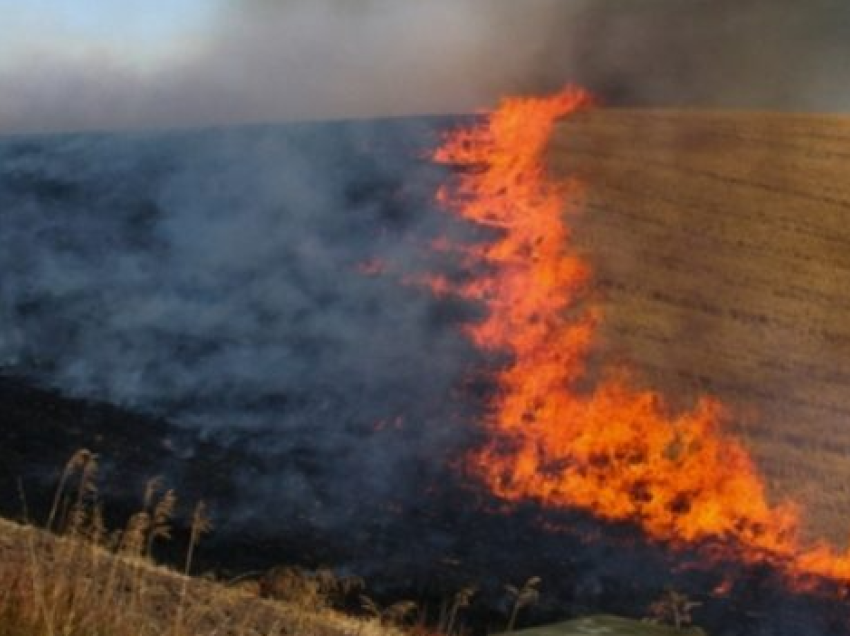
{"points": [[611, 449]]}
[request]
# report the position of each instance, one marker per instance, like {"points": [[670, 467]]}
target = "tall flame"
{"points": [[608, 448]]}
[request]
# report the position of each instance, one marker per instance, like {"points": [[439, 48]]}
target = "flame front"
{"points": [[611, 449]]}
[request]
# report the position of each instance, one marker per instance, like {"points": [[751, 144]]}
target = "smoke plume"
{"points": [[252, 284], [317, 59]]}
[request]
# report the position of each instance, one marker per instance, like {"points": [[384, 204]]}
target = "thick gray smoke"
{"points": [[251, 284], [267, 60], [756, 54]]}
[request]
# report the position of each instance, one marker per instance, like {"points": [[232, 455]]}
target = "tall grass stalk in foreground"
{"points": [[83, 580], [200, 526], [522, 597]]}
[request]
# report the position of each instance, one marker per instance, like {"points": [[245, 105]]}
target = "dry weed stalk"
{"points": [[398, 613], [84, 462], [89, 582], [462, 598], [673, 608], [522, 597], [201, 525]]}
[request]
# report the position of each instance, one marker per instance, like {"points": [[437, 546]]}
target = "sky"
{"points": [[138, 32], [101, 64]]}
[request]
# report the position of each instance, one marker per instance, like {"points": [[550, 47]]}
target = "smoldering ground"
{"points": [[226, 279], [253, 285], [249, 284], [265, 60]]}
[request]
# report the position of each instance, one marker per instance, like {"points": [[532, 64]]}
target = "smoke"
{"points": [[762, 54], [319, 59], [250, 285]]}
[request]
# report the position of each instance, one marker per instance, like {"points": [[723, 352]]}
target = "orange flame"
{"points": [[612, 450]]}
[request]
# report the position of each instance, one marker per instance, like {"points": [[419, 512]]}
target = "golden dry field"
{"points": [[70, 586], [720, 243]]}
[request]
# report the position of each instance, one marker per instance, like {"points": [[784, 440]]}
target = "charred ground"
{"points": [[415, 526]]}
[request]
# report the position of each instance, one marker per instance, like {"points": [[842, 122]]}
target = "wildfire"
{"points": [[613, 450]]}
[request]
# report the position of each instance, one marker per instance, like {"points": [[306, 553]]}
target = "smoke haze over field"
{"points": [[247, 284], [259, 60]]}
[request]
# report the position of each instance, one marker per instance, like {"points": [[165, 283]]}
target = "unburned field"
{"points": [[720, 244]]}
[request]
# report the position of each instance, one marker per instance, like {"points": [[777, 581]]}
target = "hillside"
{"points": [[52, 584], [721, 249]]}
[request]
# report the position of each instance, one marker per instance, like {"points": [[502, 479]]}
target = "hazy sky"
{"points": [[137, 32], [89, 64]]}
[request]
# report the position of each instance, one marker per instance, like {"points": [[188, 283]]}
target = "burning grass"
{"points": [[600, 443], [558, 433], [719, 246]]}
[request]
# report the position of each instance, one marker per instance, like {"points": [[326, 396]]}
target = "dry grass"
{"points": [[721, 246], [90, 582]]}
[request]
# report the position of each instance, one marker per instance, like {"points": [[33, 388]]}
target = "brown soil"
{"points": [[721, 248]]}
